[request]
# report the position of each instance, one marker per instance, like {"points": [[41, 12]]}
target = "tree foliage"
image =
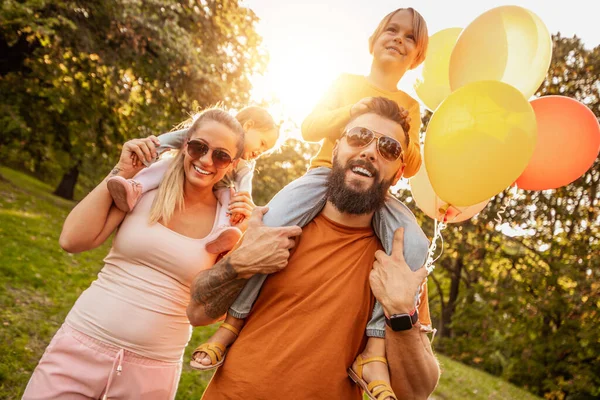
{"points": [[280, 168], [520, 298], [80, 78]]}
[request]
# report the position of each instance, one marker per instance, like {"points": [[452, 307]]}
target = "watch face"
{"points": [[400, 322]]}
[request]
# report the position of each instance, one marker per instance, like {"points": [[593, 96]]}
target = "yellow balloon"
{"points": [[431, 204], [434, 86], [479, 141], [508, 44]]}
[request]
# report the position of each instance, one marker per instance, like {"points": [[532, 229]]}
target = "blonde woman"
{"points": [[125, 335]]}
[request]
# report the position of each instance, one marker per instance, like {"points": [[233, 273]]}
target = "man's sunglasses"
{"points": [[388, 148], [198, 149]]}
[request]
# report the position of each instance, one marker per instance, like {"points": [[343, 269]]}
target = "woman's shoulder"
{"points": [[145, 202]]}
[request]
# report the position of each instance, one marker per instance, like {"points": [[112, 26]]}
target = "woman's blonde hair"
{"points": [[419, 30], [170, 194]]}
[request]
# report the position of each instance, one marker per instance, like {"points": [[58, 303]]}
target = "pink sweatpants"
{"points": [[76, 366]]}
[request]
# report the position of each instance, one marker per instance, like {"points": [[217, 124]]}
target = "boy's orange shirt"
{"points": [[331, 115]]}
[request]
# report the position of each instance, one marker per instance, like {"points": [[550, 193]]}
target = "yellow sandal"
{"points": [[375, 390], [216, 351]]}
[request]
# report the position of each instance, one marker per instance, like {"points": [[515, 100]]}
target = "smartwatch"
{"points": [[402, 322]]}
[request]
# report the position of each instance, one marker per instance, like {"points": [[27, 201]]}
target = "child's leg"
{"points": [[127, 192], [168, 141], [296, 204], [393, 215], [227, 235], [370, 366], [222, 336], [171, 140], [149, 178]]}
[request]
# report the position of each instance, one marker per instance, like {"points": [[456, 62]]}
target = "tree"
{"points": [[280, 168], [526, 307], [82, 78]]}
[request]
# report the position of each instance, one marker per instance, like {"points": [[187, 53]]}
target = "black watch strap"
{"points": [[402, 322]]}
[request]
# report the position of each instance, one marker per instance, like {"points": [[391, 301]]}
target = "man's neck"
{"points": [[350, 220]]}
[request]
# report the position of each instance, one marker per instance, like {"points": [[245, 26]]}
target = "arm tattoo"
{"points": [[115, 171], [217, 288]]}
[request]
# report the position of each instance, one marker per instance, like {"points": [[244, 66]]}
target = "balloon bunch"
{"points": [[484, 134]]}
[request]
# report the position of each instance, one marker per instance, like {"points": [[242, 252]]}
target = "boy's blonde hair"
{"points": [[170, 194], [419, 30]]}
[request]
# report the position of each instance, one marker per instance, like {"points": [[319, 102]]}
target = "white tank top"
{"points": [[140, 298]]}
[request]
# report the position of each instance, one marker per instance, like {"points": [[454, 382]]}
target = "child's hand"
{"points": [[240, 208], [404, 113], [361, 106], [236, 219]]}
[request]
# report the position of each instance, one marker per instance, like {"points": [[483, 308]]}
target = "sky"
{"points": [[311, 42]]}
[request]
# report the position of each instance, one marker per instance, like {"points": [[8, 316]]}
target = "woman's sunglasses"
{"points": [[198, 149], [388, 148]]}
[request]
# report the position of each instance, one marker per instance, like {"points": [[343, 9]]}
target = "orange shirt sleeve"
{"points": [[329, 117]]}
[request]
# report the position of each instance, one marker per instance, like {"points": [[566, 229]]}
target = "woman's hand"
{"points": [[240, 208], [135, 150]]}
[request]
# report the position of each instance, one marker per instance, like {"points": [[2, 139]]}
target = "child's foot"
{"points": [[225, 241], [211, 354], [125, 192], [371, 373]]}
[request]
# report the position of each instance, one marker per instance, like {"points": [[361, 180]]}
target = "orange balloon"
{"points": [[567, 146]]}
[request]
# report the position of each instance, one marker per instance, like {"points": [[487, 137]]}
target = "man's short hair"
{"points": [[388, 109]]}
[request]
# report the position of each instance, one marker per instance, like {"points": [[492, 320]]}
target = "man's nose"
{"points": [[370, 152]]}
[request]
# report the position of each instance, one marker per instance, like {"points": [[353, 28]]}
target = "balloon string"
{"points": [[437, 234], [438, 227], [501, 212], [512, 194]]}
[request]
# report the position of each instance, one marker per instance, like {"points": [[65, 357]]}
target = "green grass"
{"points": [[39, 283], [459, 382]]}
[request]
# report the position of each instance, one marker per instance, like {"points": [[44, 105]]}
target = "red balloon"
{"points": [[567, 146]]}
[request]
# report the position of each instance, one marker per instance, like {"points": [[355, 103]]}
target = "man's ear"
{"points": [[335, 147], [398, 174], [235, 163]]}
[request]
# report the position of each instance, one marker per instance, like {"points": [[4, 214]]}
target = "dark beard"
{"points": [[351, 201]]}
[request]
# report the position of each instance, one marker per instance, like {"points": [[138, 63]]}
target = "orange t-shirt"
{"points": [[308, 323]]}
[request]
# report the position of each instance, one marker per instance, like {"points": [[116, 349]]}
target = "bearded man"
{"points": [[307, 325]]}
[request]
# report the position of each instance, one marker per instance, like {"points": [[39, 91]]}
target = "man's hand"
{"points": [[264, 250], [393, 283]]}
